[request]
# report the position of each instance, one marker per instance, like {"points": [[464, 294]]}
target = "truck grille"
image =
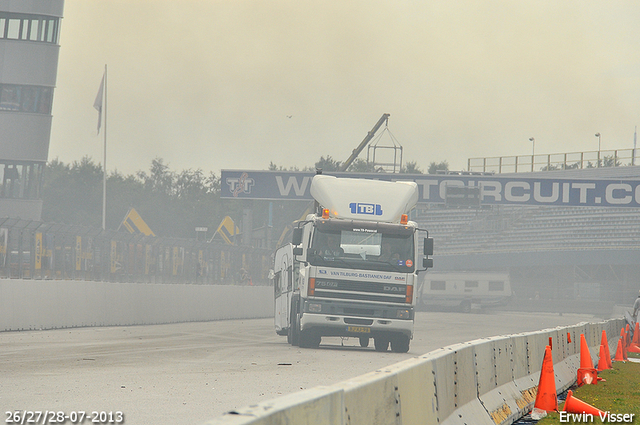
{"points": [[361, 291], [353, 321]]}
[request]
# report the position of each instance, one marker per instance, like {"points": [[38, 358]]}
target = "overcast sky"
{"points": [[210, 84]]}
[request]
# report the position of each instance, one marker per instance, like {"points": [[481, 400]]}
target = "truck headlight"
{"points": [[402, 314], [315, 308]]}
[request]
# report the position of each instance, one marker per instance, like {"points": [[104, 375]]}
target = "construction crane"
{"points": [[343, 167], [383, 119]]}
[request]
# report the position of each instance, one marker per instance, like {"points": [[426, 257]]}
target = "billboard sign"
{"points": [[494, 190]]}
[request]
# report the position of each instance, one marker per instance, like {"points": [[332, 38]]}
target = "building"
{"points": [[29, 32]]}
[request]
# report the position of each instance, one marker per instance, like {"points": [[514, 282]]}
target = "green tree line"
{"points": [[172, 203], [362, 166]]}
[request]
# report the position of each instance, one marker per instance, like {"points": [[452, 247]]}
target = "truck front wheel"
{"points": [[294, 330], [309, 339], [381, 343], [400, 344]]}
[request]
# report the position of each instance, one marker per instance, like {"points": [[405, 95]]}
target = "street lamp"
{"points": [[599, 139], [533, 151]]}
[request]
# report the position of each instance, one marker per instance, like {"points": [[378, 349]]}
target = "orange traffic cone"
{"points": [[619, 356], [603, 364], [569, 337], [623, 338], [633, 348], [627, 334], [575, 405], [636, 334], [605, 342], [587, 374], [546, 399], [622, 334], [585, 355]]}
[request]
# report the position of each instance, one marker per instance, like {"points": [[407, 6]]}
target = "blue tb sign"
{"points": [[362, 208]]}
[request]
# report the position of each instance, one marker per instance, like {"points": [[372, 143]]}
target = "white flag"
{"points": [[98, 102]]}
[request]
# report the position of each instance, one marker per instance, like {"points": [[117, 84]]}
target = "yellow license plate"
{"points": [[358, 329]]}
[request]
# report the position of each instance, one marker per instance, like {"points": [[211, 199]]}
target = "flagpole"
{"points": [[104, 171], [635, 139]]}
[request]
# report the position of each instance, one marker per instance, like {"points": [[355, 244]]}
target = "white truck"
{"points": [[352, 266]]}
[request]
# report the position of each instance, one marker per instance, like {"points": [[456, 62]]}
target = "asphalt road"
{"points": [[189, 373]]}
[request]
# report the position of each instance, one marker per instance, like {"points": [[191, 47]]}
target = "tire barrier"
{"points": [[489, 381], [52, 304]]}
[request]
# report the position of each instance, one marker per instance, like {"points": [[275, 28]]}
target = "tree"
{"points": [[611, 161], [573, 166], [159, 180], [411, 167], [274, 167], [435, 167], [171, 203], [361, 166], [551, 167], [73, 193], [328, 164]]}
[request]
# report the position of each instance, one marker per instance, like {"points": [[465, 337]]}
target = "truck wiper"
{"points": [[328, 260], [342, 261]]}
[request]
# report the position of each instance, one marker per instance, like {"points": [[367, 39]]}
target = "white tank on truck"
{"points": [[352, 266]]}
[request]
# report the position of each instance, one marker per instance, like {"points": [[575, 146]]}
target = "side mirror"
{"points": [[296, 238], [427, 262], [428, 246]]}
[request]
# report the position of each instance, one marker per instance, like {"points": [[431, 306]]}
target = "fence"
{"points": [[38, 250], [550, 162]]}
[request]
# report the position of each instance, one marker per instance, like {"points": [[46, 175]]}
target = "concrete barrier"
{"points": [[320, 405], [51, 304], [490, 381], [467, 407]]}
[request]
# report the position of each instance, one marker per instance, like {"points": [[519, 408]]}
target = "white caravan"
{"points": [[463, 290]]}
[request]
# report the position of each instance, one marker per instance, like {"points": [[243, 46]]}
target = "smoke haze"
{"points": [[210, 84]]}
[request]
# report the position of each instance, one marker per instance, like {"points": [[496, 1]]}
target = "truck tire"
{"points": [[400, 343], [294, 330], [293, 335], [381, 343], [309, 339]]}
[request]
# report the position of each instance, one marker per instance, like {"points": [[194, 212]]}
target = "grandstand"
{"points": [[524, 229], [555, 253]]}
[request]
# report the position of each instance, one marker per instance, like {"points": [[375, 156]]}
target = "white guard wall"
{"points": [[51, 304], [490, 381]]}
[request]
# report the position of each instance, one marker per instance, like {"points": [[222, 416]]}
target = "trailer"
{"points": [[464, 290]]}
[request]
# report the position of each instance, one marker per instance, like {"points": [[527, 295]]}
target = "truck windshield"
{"points": [[384, 248]]}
